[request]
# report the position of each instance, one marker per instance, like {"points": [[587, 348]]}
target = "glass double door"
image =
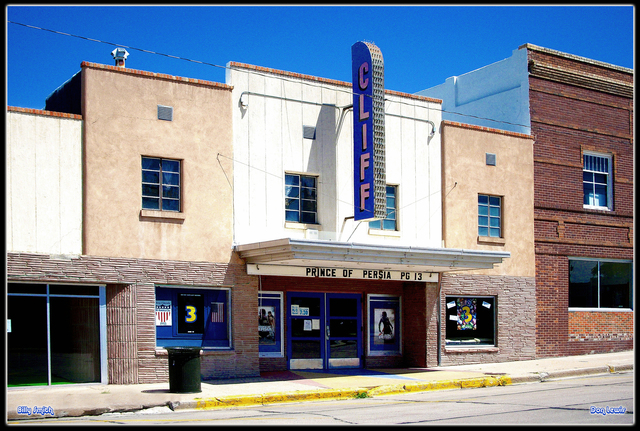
{"points": [[324, 330]]}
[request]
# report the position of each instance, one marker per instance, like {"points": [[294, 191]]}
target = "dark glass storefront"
{"points": [[53, 334]]}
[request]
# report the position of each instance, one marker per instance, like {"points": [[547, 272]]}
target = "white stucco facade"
{"points": [[43, 183], [494, 96], [270, 111]]}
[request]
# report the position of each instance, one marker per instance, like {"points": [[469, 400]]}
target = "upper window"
{"points": [[596, 181], [490, 216], [390, 222], [301, 198], [160, 184], [600, 284]]}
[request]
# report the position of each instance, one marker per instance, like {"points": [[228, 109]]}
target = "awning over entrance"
{"points": [[332, 254]]}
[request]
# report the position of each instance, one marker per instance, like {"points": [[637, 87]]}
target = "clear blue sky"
{"points": [[421, 45]]}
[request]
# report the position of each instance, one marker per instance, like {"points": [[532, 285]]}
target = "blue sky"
{"points": [[421, 45]]}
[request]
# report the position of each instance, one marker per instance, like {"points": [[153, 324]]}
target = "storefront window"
{"points": [[600, 284], [192, 317], [384, 325], [270, 324], [54, 334], [470, 321]]}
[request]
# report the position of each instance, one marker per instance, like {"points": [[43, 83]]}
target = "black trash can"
{"points": [[184, 370]]}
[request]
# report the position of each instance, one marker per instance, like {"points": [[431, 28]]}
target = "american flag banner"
{"points": [[163, 313], [217, 312]]}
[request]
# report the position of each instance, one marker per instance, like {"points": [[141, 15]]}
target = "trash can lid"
{"points": [[184, 348]]}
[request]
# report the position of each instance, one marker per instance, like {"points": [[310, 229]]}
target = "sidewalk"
{"points": [[287, 386]]}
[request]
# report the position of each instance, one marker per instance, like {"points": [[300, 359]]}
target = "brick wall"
{"points": [[588, 109], [131, 351], [516, 317]]}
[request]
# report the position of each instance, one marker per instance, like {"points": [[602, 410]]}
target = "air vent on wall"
{"points": [[491, 159], [165, 113], [309, 132]]}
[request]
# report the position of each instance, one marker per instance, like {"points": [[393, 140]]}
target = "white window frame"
{"points": [[608, 173]]}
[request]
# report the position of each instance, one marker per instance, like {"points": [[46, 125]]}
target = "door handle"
{"points": [[328, 332]]}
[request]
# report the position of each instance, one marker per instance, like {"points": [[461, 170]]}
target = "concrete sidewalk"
{"points": [[288, 386]]}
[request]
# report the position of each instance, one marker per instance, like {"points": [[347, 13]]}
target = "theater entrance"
{"points": [[324, 330]]}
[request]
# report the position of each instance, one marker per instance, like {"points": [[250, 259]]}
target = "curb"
{"points": [[338, 394]]}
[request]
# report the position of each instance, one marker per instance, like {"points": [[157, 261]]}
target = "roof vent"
{"points": [[120, 54]]}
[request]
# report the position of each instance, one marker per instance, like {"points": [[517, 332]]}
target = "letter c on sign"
{"points": [[363, 83]]}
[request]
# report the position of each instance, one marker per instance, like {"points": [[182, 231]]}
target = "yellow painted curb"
{"points": [[279, 397], [350, 393]]}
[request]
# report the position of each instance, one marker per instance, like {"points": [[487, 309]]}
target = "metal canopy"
{"points": [[297, 252]]}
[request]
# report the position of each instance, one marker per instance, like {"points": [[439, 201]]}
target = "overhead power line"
{"points": [[246, 71]]}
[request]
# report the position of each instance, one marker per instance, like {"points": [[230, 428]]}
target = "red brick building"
{"points": [[582, 120]]}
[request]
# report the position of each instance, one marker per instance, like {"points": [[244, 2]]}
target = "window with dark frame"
{"points": [[600, 284], [301, 198], [160, 184]]}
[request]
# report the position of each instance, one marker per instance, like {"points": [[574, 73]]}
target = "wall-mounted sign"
{"points": [[333, 272], [163, 313], [369, 173], [191, 313]]}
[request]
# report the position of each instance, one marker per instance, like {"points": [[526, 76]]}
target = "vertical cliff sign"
{"points": [[369, 175]]}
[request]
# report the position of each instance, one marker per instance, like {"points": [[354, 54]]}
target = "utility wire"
{"points": [[248, 72]]}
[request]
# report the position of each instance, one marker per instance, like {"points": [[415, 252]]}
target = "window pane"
{"points": [[150, 203], [150, 190], [483, 221], [308, 217], [308, 193], [483, 199], [494, 222], [493, 232], [615, 285], [292, 180], [494, 211], [292, 216], [170, 166], [583, 283], [170, 205], [376, 224], [292, 204], [291, 191], [150, 177], [494, 201], [149, 163], [389, 224], [601, 196], [588, 194], [309, 206], [600, 179], [483, 210], [171, 192], [483, 231], [74, 290], [170, 179], [308, 181], [75, 340]]}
